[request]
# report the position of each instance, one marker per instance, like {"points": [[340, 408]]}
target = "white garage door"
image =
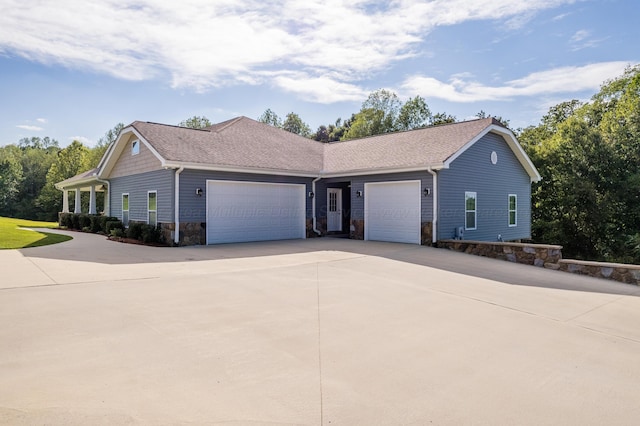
{"points": [[392, 211], [253, 211]]}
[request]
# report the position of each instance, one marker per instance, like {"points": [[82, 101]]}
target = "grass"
{"points": [[13, 237]]}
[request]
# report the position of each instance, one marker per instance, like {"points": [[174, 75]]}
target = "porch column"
{"points": [[92, 200], [65, 201], [78, 207], [107, 207]]}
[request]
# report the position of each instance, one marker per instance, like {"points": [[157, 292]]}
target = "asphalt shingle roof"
{"points": [[246, 143], [240, 142]]}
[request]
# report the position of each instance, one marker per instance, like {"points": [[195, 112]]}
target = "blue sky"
{"points": [[72, 69]]}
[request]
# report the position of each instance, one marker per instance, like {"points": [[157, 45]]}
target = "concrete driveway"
{"points": [[314, 332]]}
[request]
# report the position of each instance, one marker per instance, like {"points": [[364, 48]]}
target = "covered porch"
{"points": [[86, 182]]}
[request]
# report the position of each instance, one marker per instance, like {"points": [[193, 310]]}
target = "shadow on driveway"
{"points": [[97, 249]]}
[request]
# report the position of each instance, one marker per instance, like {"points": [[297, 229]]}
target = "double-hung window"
{"points": [[152, 208], [513, 210], [125, 209], [470, 210]]}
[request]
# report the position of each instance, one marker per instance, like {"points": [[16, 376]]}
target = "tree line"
{"points": [[588, 154]]}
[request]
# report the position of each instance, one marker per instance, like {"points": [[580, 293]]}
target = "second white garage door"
{"points": [[254, 211], [392, 211]]}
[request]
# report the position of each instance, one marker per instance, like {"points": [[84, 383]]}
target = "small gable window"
{"points": [[135, 147]]}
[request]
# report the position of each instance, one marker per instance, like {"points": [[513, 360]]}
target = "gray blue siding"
{"points": [[473, 171], [137, 186], [194, 208], [357, 184]]}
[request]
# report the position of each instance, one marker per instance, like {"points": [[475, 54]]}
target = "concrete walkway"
{"points": [[324, 331]]}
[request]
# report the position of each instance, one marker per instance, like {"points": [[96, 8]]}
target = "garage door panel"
{"points": [[393, 211], [254, 211]]}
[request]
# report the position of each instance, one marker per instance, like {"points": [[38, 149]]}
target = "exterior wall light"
{"points": [[427, 192], [311, 194], [359, 194], [199, 192]]}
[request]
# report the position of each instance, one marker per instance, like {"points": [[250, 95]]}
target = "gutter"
{"points": [[313, 206], [434, 233], [176, 221]]}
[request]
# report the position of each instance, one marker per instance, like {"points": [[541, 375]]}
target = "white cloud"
{"points": [[84, 140], [201, 44], [580, 35], [29, 127], [554, 81], [42, 120]]}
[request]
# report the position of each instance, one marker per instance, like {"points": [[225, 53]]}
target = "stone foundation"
{"points": [[629, 274], [426, 237], [167, 231], [193, 233], [529, 254], [356, 231]]}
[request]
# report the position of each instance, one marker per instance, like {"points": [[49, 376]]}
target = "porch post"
{"points": [[65, 201], [107, 201], [92, 200], [78, 207]]}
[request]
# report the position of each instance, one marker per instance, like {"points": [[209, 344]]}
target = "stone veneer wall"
{"points": [[356, 231], [426, 237], [529, 254], [193, 233], [625, 273]]}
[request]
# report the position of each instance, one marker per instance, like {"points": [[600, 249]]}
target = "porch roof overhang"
{"points": [[83, 181]]}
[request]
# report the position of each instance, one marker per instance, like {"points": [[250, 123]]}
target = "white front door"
{"points": [[334, 209]]}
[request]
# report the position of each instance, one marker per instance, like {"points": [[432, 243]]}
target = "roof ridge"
{"points": [[226, 124], [433, 126], [173, 125]]}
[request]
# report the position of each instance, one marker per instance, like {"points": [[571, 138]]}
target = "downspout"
{"points": [[434, 233], [107, 210], [176, 232], [313, 205]]}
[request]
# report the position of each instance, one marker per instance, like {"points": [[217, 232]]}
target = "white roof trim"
{"points": [[365, 172], [511, 141], [237, 169]]}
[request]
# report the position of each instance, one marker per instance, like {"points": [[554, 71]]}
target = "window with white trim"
{"points": [[125, 209], [470, 210], [152, 208], [135, 147], [513, 210]]}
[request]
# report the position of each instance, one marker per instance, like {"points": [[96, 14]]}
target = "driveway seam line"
{"points": [[41, 270], [77, 283], [319, 344]]}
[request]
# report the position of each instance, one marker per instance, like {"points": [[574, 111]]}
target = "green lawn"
{"points": [[13, 237]]}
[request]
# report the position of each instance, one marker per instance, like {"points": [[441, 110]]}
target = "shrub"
{"points": [[151, 234], [65, 220], [95, 223], [134, 230], [103, 222], [117, 232], [112, 225], [84, 221], [75, 221]]}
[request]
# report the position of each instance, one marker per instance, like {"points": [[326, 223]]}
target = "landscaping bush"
{"points": [[95, 223], [103, 222], [112, 225], [75, 221], [117, 232], [84, 221], [134, 230], [65, 220], [151, 234]]}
